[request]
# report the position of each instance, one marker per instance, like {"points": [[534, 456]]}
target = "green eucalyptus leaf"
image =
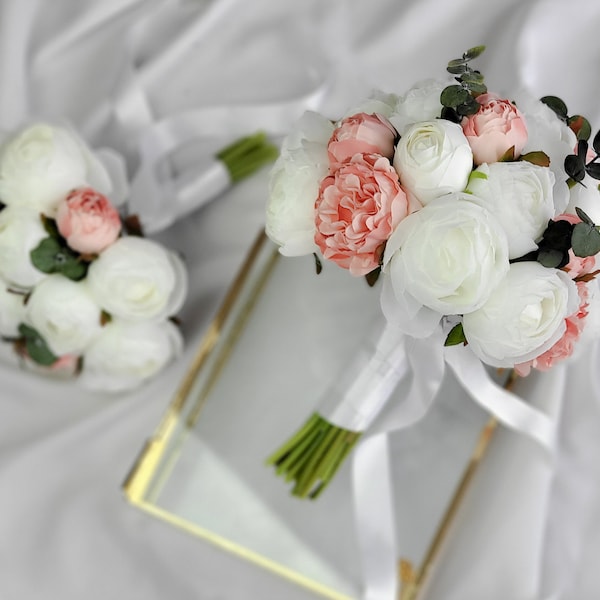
{"points": [[557, 105], [582, 148], [50, 227], [450, 115], [477, 88], [585, 240], [51, 256], [372, 277], [456, 336], [36, 346], [596, 143], [583, 216], [471, 76], [470, 107], [552, 258], [457, 62], [454, 95], [318, 263], [575, 167], [474, 52], [580, 126], [537, 157], [593, 170], [457, 69]]}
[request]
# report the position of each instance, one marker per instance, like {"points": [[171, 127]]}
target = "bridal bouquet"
{"points": [[81, 292], [476, 212]]}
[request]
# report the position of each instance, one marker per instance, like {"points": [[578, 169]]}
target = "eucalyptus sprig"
{"points": [[459, 100], [577, 165]]}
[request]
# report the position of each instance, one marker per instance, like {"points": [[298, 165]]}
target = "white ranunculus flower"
{"points": [[138, 279], [294, 185], [378, 102], [12, 310], [433, 158], [445, 259], [64, 313], [126, 354], [42, 163], [546, 132], [519, 195], [420, 103], [21, 230], [524, 316]]}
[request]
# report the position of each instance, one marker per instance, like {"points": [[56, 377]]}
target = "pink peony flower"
{"points": [[358, 207], [577, 266], [565, 346], [88, 221], [494, 129], [361, 134]]}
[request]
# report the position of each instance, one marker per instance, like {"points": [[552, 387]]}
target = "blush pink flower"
{"points": [[577, 266], [361, 134], [88, 221], [495, 128], [358, 207], [565, 346]]}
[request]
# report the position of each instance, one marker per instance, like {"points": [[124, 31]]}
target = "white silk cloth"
{"points": [[121, 69]]}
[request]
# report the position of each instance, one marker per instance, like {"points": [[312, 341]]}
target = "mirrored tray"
{"points": [[280, 336]]}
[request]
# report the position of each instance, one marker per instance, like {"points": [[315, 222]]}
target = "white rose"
{"points": [[420, 103], [433, 158], [136, 278], [444, 259], [12, 310], [42, 163], [64, 313], [21, 230], [546, 132], [524, 316], [294, 185], [125, 354], [378, 103], [519, 195]]}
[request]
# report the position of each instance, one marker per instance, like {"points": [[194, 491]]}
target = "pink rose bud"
{"points": [[88, 221], [495, 128], [361, 134], [358, 207]]}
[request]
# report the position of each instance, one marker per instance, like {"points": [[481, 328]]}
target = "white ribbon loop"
{"points": [[508, 408]]}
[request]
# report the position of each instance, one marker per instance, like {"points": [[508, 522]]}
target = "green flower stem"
{"points": [[313, 455], [246, 155]]}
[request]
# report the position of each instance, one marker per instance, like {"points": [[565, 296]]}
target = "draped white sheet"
{"points": [[120, 70]]}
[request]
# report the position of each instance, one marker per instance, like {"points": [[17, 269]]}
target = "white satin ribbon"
{"points": [[424, 360]]}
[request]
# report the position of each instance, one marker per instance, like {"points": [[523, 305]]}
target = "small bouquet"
{"points": [[81, 292], [476, 211]]}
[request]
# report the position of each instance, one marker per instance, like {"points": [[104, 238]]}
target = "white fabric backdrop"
{"points": [[116, 67]]}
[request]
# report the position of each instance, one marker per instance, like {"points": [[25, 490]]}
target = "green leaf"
{"points": [[552, 258], [593, 170], [508, 156], [51, 256], [50, 227], [583, 216], [454, 95], [318, 263], [557, 105], [585, 240], [477, 175], [596, 143], [537, 157], [474, 52], [470, 107], [373, 276], [457, 62], [457, 69], [471, 76], [580, 126], [456, 336], [575, 167], [477, 88], [36, 346]]}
